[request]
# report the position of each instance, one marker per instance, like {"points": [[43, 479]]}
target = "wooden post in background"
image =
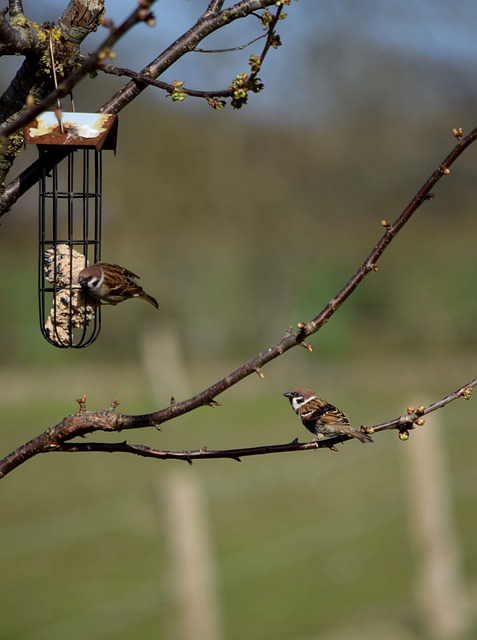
{"points": [[164, 364], [440, 592], [194, 609]]}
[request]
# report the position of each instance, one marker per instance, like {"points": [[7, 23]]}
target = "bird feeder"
{"points": [[70, 147]]}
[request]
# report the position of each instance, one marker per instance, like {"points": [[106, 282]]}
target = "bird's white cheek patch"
{"points": [[296, 404], [95, 283]]}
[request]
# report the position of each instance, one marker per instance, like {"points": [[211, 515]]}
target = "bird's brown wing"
{"points": [[318, 410], [332, 415], [121, 271], [326, 420], [128, 287]]}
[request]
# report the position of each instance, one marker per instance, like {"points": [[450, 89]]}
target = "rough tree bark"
{"points": [[34, 79]]}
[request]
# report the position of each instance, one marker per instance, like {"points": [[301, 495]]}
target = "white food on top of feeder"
{"points": [[62, 265]]}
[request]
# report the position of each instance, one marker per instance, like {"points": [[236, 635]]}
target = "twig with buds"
{"points": [[68, 429]]}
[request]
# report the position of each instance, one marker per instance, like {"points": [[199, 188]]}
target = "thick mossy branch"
{"points": [[34, 79]]}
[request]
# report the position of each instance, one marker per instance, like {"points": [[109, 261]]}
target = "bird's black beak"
{"points": [[288, 394]]}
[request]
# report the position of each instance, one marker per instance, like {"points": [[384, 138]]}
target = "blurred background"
{"points": [[242, 224]]}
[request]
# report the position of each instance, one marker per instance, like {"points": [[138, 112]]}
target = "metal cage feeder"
{"points": [[70, 209]]}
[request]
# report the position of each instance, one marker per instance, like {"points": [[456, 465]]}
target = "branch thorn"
{"points": [[112, 406], [82, 404]]}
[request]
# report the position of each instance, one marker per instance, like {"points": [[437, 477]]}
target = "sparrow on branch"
{"points": [[111, 284], [321, 418]]}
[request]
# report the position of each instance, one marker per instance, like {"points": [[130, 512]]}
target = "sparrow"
{"points": [[111, 284], [322, 418]]}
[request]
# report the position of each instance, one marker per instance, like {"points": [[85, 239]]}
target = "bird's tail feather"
{"points": [[150, 299], [361, 436]]}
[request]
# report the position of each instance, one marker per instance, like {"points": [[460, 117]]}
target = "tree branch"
{"points": [[292, 339], [207, 24], [80, 18], [404, 424], [15, 7], [83, 422], [160, 84], [146, 79], [214, 7], [15, 40], [53, 440]]}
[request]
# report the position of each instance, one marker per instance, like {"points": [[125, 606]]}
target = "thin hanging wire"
{"points": [[55, 80]]}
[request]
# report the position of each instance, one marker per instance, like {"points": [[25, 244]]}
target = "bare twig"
{"points": [[412, 416], [239, 47], [160, 84], [270, 41]]}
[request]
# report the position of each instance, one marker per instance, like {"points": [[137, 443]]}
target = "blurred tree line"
{"points": [[242, 224]]}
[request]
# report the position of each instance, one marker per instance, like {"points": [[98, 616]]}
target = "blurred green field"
{"points": [[309, 545]]}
